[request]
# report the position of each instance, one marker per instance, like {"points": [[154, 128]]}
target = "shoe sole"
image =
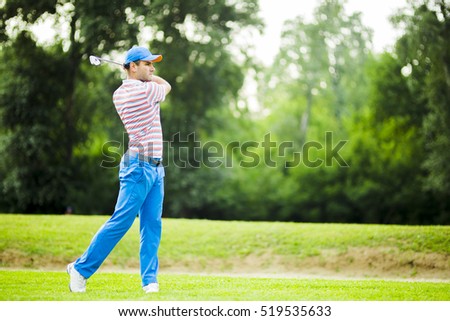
{"points": [[69, 267], [68, 272]]}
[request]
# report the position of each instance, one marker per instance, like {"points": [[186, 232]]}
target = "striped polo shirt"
{"points": [[137, 104]]}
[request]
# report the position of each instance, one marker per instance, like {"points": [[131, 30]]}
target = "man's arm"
{"points": [[161, 81]]}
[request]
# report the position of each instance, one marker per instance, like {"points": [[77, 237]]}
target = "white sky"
{"points": [[375, 14]]}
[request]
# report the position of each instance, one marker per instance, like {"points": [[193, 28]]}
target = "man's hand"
{"points": [[161, 81]]}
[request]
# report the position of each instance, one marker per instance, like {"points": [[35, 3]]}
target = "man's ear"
{"points": [[133, 66]]}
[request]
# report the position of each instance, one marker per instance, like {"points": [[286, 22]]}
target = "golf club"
{"points": [[96, 61]]}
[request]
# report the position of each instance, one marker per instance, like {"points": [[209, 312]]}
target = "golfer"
{"points": [[141, 174]]}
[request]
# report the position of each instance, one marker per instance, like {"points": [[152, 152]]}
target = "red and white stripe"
{"points": [[137, 104]]}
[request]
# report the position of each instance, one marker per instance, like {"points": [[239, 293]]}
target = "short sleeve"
{"points": [[156, 92]]}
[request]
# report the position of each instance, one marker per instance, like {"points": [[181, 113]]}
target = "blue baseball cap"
{"points": [[141, 53]]}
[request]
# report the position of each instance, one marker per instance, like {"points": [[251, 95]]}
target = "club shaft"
{"points": [[110, 61]]}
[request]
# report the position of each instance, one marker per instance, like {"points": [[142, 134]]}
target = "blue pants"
{"points": [[141, 191]]}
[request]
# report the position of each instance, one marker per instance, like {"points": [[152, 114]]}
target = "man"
{"points": [[141, 174]]}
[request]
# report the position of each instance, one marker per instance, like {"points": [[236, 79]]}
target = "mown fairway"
{"points": [[39, 285], [223, 258]]}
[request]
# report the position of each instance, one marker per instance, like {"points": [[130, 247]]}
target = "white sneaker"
{"points": [[77, 281], [151, 288]]}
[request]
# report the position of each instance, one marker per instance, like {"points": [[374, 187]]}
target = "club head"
{"points": [[95, 60]]}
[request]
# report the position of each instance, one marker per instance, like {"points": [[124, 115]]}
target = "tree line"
{"points": [[338, 133]]}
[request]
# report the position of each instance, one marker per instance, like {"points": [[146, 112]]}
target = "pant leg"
{"points": [[151, 227], [132, 194]]}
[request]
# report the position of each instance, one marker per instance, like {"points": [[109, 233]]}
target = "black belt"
{"points": [[152, 161]]}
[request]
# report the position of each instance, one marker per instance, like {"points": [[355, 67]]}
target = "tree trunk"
{"points": [[304, 122], [74, 60]]}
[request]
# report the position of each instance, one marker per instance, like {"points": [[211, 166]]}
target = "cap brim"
{"points": [[153, 58]]}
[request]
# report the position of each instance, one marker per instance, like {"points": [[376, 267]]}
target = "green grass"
{"points": [[34, 250], [62, 238], [50, 286]]}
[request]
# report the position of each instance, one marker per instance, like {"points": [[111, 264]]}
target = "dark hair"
{"points": [[127, 66]]}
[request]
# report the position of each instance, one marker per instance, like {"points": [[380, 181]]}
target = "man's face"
{"points": [[143, 70]]}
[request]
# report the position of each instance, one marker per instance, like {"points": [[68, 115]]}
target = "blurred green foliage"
{"points": [[358, 136]]}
